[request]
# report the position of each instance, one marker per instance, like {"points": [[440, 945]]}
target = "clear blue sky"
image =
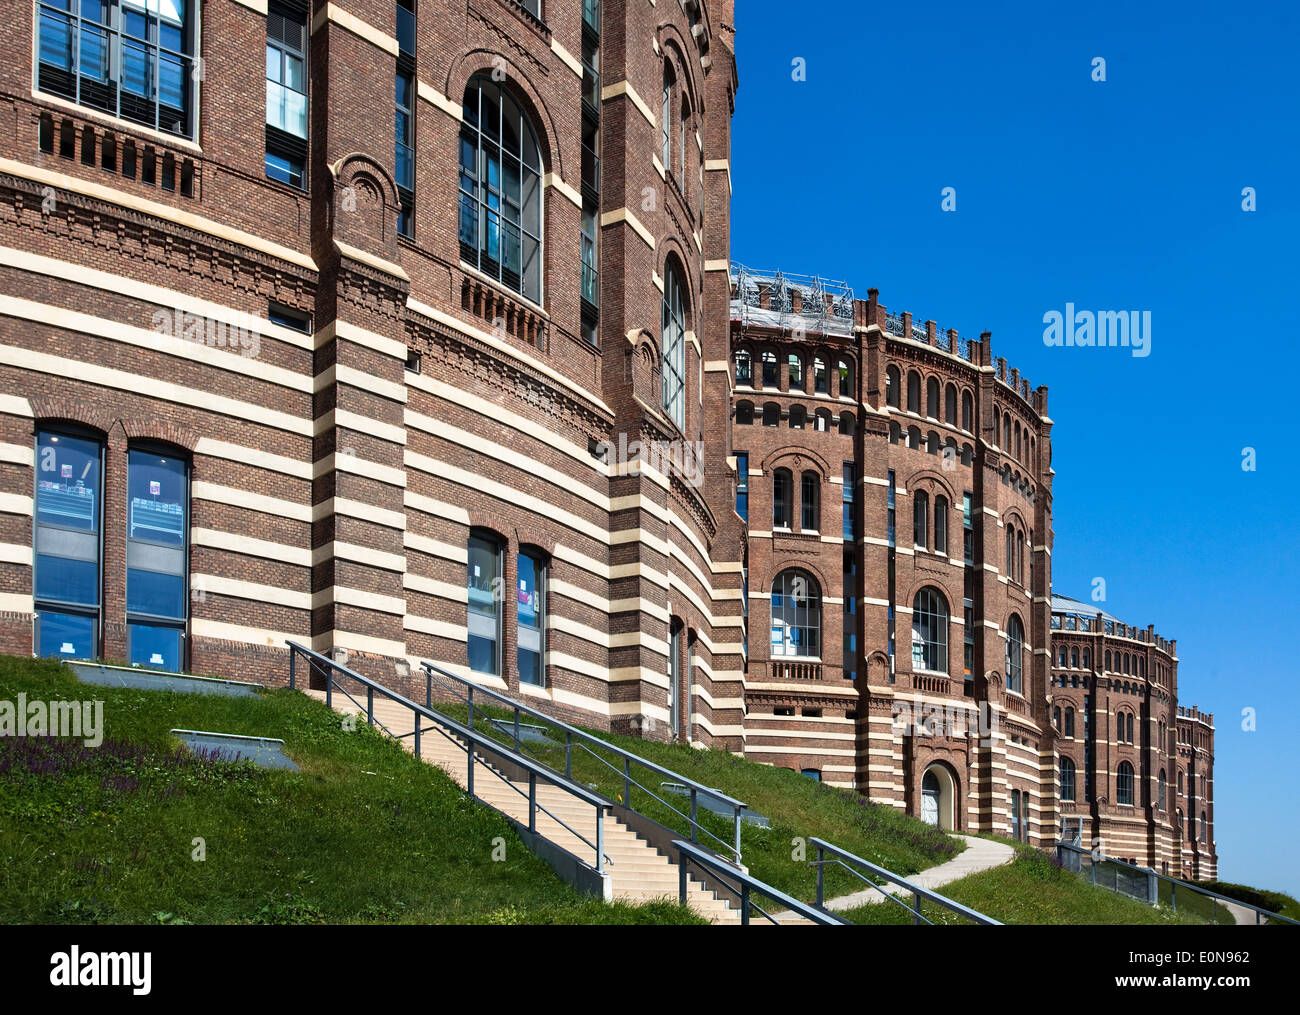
{"points": [[1117, 195]]}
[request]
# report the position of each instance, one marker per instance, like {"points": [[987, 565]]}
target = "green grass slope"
{"points": [[363, 833]]}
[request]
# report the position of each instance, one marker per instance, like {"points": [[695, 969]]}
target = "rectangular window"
{"points": [[405, 152], [406, 27], [157, 553], [968, 529], [532, 619], [66, 534], [808, 502], [286, 94], [850, 481], [590, 265], [968, 639], [892, 506], [484, 611], [133, 59], [742, 485]]}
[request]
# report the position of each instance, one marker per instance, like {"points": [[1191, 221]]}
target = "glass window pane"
{"points": [[65, 635], [67, 487], [65, 580], [484, 592], [156, 486], [155, 646], [155, 594]]}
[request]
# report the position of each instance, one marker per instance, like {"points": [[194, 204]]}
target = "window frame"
{"points": [[136, 618], [498, 546], [541, 575]]}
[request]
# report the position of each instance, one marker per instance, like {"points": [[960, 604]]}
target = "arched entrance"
{"points": [[938, 797]]}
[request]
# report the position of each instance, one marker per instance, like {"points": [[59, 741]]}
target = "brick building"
{"points": [[406, 330]]}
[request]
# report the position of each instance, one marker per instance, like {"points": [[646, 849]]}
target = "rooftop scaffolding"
{"points": [[805, 303]]}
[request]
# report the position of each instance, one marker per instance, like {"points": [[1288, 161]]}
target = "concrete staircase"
{"points": [[638, 871]]}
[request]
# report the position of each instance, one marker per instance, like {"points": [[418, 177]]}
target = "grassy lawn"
{"points": [[1276, 902], [797, 807], [1032, 890], [364, 833]]}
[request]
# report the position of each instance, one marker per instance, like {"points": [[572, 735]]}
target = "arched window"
{"points": [[1056, 716], [681, 144], [932, 398], [1161, 785], [810, 487], [1074, 657], [674, 347], [795, 371], [847, 422], [744, 368], [744, 413], [967, 411], [921, 519], [1204, 823], [950, 404], [891, 386], [821, 383], [798, 415], [769, 369], [796, 614], [1067, 779], [1015, 655], [500, 189], [485, 574], [1069, 721], [782, 492], [1131, 738], [771, 414], [666, 119], [823, 420], [930, 631], [1085, 656], [531, 617], [1010, 537], [895, 432], [941, 524], [932, 443], [1108, 660], [914, 437], [914, 392], [846, 378], [1006, 432], [1124, 784], [1060, 657]]}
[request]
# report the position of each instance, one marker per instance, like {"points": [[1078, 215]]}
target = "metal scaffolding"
{"points": [[767, 299]]}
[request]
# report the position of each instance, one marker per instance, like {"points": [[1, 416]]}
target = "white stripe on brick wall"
{"points": [[234, 543], [200, 490], [437, 628], [360, 555], [358, 509], [16, 553], [251, 456], [17, 454], [255, 591], [436, 548], [15, 504], [358, 466]]}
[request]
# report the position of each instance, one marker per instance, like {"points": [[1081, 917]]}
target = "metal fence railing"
{"points": [[1150, 886], [746, 888], [340, 679], [875, 874], [600, 759]]}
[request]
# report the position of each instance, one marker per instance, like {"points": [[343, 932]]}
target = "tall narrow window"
{"points": [[531, 611], [796, 615], [930, 631], [1161, 787], [921, 519], [744, 368], [782, 493], [891, 387], [821, 381], [742, 485], [913, 392], [941, 525], [133, 58], [590, 271], [1015, 655], [968, 529], [500, 189], [286, 94], [1069, 722], [681, 145], [795, 371], [1067, 779], [156, 557], [1124, 783], [674, 348], [846, 379], [769, 369], [69, 512], [675, 629], [484, 585], [405, 152], [810, 488], [666, 121], [849, 485]]}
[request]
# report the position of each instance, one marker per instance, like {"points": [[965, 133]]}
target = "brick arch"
{"points": [[58, 409], [787, 456], [542, 541], [522, 90], [792, 563], [672, 248], [672, 40], [914, 481], [362, 170], [138, 429]]}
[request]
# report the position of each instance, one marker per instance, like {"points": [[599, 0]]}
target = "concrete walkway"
{"points": [[1241, 914], [979, 855]]}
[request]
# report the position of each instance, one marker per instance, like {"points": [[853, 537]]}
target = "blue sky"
{"points": [[1117, 195]]}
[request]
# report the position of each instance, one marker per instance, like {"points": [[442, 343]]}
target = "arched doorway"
{"points": [[938, 797]]}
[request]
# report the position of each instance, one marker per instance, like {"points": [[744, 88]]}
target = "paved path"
{"points": [[979, 855], [1241, 914]]}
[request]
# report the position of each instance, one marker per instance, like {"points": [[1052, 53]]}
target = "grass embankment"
{"points": [[1033, 889], [797, 807], [364, 833]]}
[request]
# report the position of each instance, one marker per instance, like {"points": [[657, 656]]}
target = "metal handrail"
{"points": [[572, 732], [1175, 882], [746, 885], [845, 859], [534, 769]]}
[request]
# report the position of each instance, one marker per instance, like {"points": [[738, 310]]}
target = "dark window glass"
{"points": [[484, 610], [532, 619]]}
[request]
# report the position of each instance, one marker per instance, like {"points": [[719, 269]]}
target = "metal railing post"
{"points": [[428, 689], [532, 801], [370, 705], [694, 823], [293, 658], [681, 878], [470, 724], [627, 782], [568, 755], [417, 734], [1173, 896], [916, 902], [600, 840], [736, 813], [329, 686], [821, 877], [469, 769], [516, 729], [744, 904]]}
